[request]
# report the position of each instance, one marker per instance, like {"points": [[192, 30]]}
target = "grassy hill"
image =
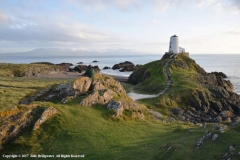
{"points": [[91, 131], [94, 133]]}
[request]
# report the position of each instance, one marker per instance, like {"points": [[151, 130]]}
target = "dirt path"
{"points": [[136, 96]]}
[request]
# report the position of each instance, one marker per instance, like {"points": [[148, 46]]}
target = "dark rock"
{"points": [[117, 66], [219, 74], [96, 68], [80, 63], [126, 66], [80, 68], [65, 64], [95, 61], [176, 111], [139, 76], [48, 63], [235, 121], [106, 67]]}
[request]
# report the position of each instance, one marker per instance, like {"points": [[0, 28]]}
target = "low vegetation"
{"points": [[94, 133], [12, 89], [20, 70]]}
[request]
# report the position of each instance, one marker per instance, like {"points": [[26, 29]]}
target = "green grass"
{"points": [[12, 89], [18, 70], [184, 84], [155, 82], [93, 132]]}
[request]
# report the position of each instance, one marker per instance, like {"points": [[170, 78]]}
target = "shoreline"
{"points": [[72, 75]]}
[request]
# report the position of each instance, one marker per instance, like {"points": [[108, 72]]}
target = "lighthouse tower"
{"points": [[174, 48], [174, 44]]}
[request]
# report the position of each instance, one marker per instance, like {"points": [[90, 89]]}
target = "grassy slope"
{"points": [[91, 131], [184, 84], [156, 78], [9, 69], [12, 89]]}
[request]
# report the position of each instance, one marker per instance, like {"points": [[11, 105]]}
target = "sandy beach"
{"points": [[73, 75]]}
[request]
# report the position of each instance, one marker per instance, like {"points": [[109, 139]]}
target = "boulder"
{"points": [[95, 61], [16, 120], [98, 97], [176, 111], [235, 121], [154, 113], [80, 68], [81, 85], [48, 63], [105, 90], [34, 97], [65, 64], [225, 114], [219, 74], [106, 67], [96, 68], [116, 106], [126, 66], [116, 66], [48, 113]]}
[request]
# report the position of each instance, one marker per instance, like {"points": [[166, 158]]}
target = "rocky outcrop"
{"points": [[203, 97], [78, 87], [48, 63], [219, 74], [14, 120], [83, 68], [96, 68], [80, 68], [138, 77], [106, 67], [103, 90], [48, 113], [125, 66], [81, 85]]}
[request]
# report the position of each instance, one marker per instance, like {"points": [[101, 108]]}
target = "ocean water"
{"points": [[226, 63]]}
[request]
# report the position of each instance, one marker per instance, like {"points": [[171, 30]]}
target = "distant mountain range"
{"points": [[43, 52]]}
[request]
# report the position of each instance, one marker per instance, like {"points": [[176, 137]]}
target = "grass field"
{"points": [[90, 131], [12, 89]]}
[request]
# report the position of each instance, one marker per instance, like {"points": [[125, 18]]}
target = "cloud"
{"points": [[52, 31], [236, 3], [234, 31], [4, 18], [204, 3], [157, 6]]}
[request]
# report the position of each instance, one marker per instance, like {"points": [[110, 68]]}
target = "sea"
{"points": [[226, 63]]}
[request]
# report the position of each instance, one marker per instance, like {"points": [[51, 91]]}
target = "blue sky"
{"points": [[143, 26]]}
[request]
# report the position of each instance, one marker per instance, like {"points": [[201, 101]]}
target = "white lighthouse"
{"points": [[174, 47], [174, 43]]}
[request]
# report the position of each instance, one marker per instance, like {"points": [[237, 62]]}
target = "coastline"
{"points": [[73, 75]]}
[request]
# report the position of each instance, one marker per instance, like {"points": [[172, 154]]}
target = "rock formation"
{"points": [[126, 66], [101, 90], [48, 112], [201, 96], [17, 118]]}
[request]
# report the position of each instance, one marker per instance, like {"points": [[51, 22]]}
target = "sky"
{"points": [[115, 26]]}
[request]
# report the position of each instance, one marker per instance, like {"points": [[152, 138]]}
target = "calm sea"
{"points": [[226, 63]]}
